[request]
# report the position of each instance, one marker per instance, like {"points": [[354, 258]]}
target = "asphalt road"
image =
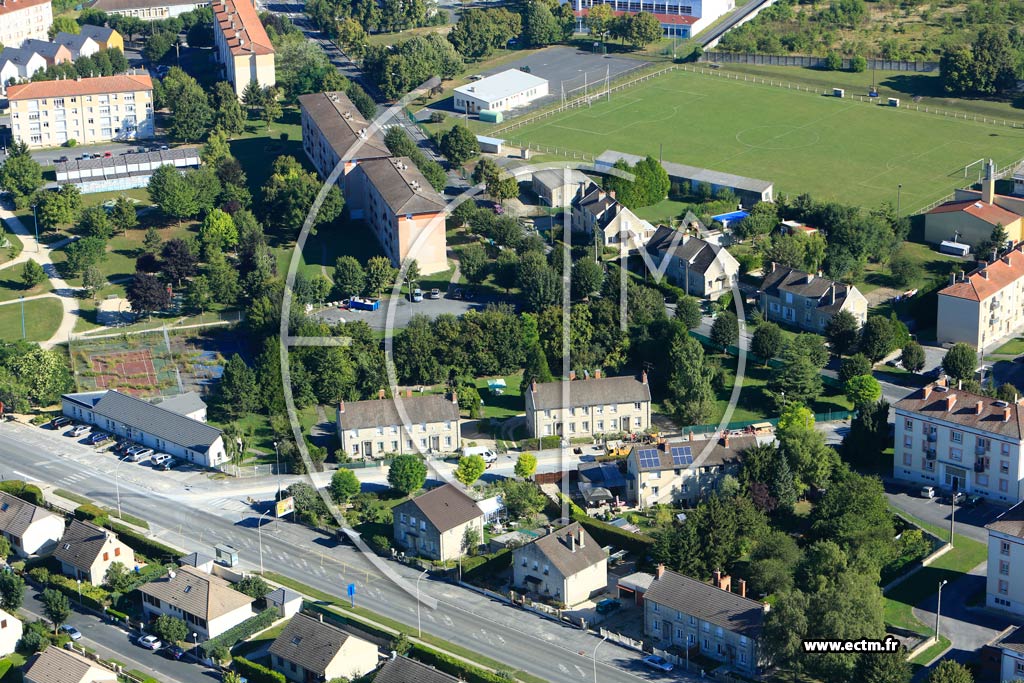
{"points": [[557, 653]]}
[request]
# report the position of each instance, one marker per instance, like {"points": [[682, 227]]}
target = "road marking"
{"points": [[25, 476]]}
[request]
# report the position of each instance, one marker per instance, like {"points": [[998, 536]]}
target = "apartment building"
{"points": [[806, 300], [598, 405], [957, 440], [24, 19], [412, 424], [595, 211], [984, 306], [686, 613], [700, 267], [87, 110], [1010, 645], [149, 10], [242, 45], [1004, 588], [434, 525], [678, 18], [566, 565], [682, 472]]}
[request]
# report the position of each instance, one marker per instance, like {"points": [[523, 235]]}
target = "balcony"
{"points": [[979, 465], [980, 450], [930, 455], [933, 436]]}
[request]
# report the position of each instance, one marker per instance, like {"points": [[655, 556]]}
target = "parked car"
{"points": [[78, 431], [172, 652], [98, 438], [927, 491], [107, 155], [71, 632], [435, 293], [168, 464], [58, 422], [456, 293], [62, 160], [133, 449], [972, 501], [417, 295], [607, 606], [139, 456], [159, 459], [149, 642], [659, 663], [957, 497]]}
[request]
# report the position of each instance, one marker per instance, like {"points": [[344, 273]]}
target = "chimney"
{"points": [[341, 408], [582, 542], [952, 279], [950, 402], [979, 407], [988, 185], [773, 266], [572, 542], [984, 273], [995, 254], [660, 572], [321, 615], [611, 193], [691, 436], [810, 278], [725, 439], [643, 377], [942, 382], [408, 393], [381, 393], [716, 578], [742, 583], [533, 386], [455, 398], [963, 276], [832, 291], [597, 374], [1006, 414], [572, 375], [959, 385]]}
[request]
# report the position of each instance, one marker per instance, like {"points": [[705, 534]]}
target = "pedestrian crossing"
{"points": [[232, 504], [72, 479]]}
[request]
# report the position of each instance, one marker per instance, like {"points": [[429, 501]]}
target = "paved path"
{"points": [[40, 253]]}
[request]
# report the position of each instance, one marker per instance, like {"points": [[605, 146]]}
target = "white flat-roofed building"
{"points": [[149, 10], [501, 92]]}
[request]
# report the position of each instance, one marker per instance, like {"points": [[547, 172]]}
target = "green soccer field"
{"points": [[832, 148]]}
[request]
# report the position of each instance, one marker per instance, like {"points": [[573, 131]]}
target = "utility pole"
{"points": [[938, 609]]}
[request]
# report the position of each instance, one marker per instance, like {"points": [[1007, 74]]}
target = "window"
{"points": [[693, 621], [706, 627], [655, 607], [1005, 449], [1004, 548], [956, 454], [106, 556], [117, 552], [636, 406], [1004, 567], [984, 444], [908, 441], [955, 436], [1004, 587], [1019, 668], [927, 465], [1004, 467], [981, 480], [404, 517], [1003, 486], [908, 458], [423, 525]]}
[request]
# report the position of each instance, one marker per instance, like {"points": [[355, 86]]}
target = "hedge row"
{"points": [[29, 492], [256, 673], [486, 565], [147, 547], [454, 667], [236, 634], [87, 512], [607, 534]]}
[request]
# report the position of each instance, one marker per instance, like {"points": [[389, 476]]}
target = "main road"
{"points": [[182, 518]]}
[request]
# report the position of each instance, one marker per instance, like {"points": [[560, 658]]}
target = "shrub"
{"points": [[455, 667], [32, 641], [150, 549], [27, 492], [91, 513], [71, 142], [238, 633], [256, 673], [436, 116], [284, 137]]}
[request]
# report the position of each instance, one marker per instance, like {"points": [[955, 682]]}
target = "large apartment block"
{"points": [[24, 19], [678, 18], [242, 44], [1005, 585], [609, 405], [87, 110], [149, 10], [954, 439], [985, 306]]}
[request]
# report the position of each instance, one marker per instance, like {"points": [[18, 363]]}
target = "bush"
{"points": [[91, 513], [482, 566], [256, 673], [542, 443], [147, 547], [436, 116], [236, 634], [71, 142], [606, 534], [284, 137], [120, 616], [454, 667], [27, 492], [380, 544], [32, 641]]}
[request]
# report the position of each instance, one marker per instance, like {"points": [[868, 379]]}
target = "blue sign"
{"points": [[351, 589]]}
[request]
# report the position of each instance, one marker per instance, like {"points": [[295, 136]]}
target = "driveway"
{"points": [[970, 522]]}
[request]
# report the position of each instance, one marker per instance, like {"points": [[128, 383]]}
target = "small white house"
{"points": [[208, 604], [31, 530], [16, 65], [501, 92], [10, 633]]}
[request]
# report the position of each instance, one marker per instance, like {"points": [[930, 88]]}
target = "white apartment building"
{"points": [[87, 110], [149, 10], [985, 306], [953, 439], [680, 18], [1011, 654], [411, 424], [609, 405], [24, 19], [1004, 589]]}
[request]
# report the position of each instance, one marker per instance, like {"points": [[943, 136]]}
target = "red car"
{"points": [[107, 155]]}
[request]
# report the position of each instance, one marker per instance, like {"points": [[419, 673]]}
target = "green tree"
{"points": [[63, 24], [905, 271], [177, 261], [32, 274], [158, 44], [254, 586], [228, 114], [349, 276], [536, 368], [526, 465], [470, 468], [762, 219], [379, 274], [961, 361], [236, 392], [170, 629], [152, 242], [197, 294], [644, 29], [540, 28], [176, 197], [407, 474], [690, 382], [913, 358], [146, 294], [252, 96], [190, 113], [862, 391], [857, 364], [223, 278], [842, 333], [884, 667], [878, 338], [459, 145], [473, 262], [93, 279], [725, 329], [218, 230], [599, 19], [767, 341], [95, 222], [22, 176], [587, 276], [688, 312], [118, 578], [123, 215], [272, 110], [83, 253], [12, 591], [785, 628], [948, 671], [344, 485], [55, 606]]}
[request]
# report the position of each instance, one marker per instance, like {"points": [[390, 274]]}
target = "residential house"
{"points": [[409, 424], [970, 217], [78, 44], [556, 187], [152, 425], [806, 300], [710, 619], [242, 45], [10, 633], [21, 20], [53, 53], [1004, 587], [88, 110], [566, 566], [207, 603], [595, 211], [310, 651], [601, 482], [287, 602], [589, 407], [701, 268], [149, 10], [57, 665], [17, 65], [985, 306], [106, 37], [682, 472], [400, 669], [1011, 649], [957, 440], [434, 525], [31, 530], [86, 552]]}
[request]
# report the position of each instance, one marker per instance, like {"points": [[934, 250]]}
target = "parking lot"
{"points": [[404, 310]]}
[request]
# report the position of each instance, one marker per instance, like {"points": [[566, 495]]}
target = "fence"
{"points": [[952, 195], [624, 641], [814, 62], [830, 416]]}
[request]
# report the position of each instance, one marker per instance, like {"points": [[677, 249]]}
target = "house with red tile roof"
{"points": [[242, 44], [971, 216], [678, 18], [983, 306]]}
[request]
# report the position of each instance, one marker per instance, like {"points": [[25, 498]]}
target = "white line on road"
{"points": [[24, 476]]}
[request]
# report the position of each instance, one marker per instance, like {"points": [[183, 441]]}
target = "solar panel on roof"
{"points": [[682, 455], [649, 457]]}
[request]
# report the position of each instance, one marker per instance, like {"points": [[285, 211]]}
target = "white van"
{"points": [[484, 452]]}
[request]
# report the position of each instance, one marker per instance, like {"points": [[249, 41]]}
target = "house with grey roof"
{"points": [[700, 267], [30, 529], [405, 670], [53, 53], [287, 602], [158, 426], [596, 212], [203, 563], [310, 651], [556, 187], [435, 524], [807, 300], [690, 614], [86, 551], [104, 36], [405, 424], [78, 44], [208, 604], [566, 566], [17, 65], [57, 665], [589, 407]]}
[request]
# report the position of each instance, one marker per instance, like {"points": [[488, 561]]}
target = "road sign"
{"points": [[284, 506], [352, 594]]}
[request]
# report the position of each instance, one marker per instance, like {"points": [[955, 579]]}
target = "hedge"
{"points": [[88, 512], [256, 673], [16, 487], [455, 667], [93, 597], [608, 534], [486, 565], [147, 547], [236, 634]]}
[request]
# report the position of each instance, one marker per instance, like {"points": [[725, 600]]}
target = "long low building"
{"points": [[169, 427], [124, 171], [149, 10], [503, 91]]}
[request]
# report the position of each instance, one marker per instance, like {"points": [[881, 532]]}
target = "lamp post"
{"points": [[195, 644], [117, 487], [277, 468], [259, 534], [938, 609], [595, 656], [79, 591], [952, 513], [419, 625], [22, 316], [899, 191], [35, 222]]}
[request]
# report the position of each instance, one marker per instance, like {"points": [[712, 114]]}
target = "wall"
{"points": [[814, 62]]}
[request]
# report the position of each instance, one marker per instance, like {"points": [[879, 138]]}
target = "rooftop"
{"points": [[664, 19], [13, 54], [11, 6], [344, 128], [16, 515], [243, 31], [82, 543], [402, 187], [100, 85], [446, 507], [830, 294], [1013, 640], [57, 665], [708, 603], [128, 5], [200, 594], [140, 162], [384, 412], [990, 213], [501, 85], [72, 41], [570, 549], [676, 455], [698, 254], [718, 178], [1010, 522], [936, 401], [590, 392], [97, 33], [310, 643], [405, 670], [989, 279], [552, 178], [44, 48]]}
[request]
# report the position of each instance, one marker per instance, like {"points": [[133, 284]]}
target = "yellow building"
{"points": [[242, 44], [106, 37], [24, 19], [985, 306], [87, 110]]}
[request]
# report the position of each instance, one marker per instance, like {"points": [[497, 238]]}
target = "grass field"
{"points": [[833, 149], [42, 317]]}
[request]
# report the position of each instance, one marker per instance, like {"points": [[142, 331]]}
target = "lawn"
{"points": [[402, 36], [42, 318], [508, 403], [831, 148], [14, 245], [1014, 347], [933, 270]]}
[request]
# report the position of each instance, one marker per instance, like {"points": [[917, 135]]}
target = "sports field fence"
{"points": [[812, 62]]}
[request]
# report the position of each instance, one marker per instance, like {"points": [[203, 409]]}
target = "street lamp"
{"points": [[22, 316], [35, 222], [419, 625], [117, 487], [259, 534], [79, 591], [938, 609], [195, 644], [595, 656], [277, 468], [899, 191]]}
